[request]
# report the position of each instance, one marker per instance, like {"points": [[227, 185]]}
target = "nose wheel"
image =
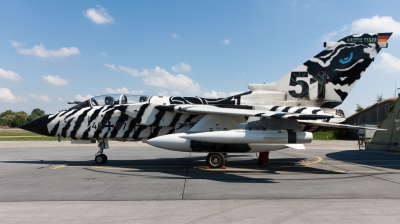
{"points": [[101, 159]]}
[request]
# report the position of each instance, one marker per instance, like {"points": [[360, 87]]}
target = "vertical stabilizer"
{"points": [[326, 79]]}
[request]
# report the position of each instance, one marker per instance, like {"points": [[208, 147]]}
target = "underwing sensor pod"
{"points": [[269, 117]]}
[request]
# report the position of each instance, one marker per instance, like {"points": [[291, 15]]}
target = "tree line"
{"points": [[359, 108], [15, 119]]}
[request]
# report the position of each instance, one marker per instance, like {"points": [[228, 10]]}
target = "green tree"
{"points": [[359, 108], [36, 113], [7, 117], [21, 118], [7, 112], [16, 119], [379, 98]]}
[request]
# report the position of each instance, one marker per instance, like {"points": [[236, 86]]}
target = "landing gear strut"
{"points": [[216, 160], [100, 157], [263, 158]]}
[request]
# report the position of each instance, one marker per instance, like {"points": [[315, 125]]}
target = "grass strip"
{"points": [[44, 138], [18, 133]]}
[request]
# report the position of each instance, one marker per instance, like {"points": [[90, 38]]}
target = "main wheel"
{"points": [[225, 156], [215, 160], [100, 159]]}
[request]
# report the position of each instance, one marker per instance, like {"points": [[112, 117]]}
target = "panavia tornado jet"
{"points": [[273, 116]]}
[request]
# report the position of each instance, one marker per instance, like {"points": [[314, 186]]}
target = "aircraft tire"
{"points": [[105, 158], [100, 159], [215, 160]]}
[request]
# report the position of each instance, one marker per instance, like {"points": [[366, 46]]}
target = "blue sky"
{"points": [[52, 52]]}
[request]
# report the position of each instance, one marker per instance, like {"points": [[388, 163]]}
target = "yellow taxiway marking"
{"points": [[57, 167], [364, 165], [373, 171], [117, 168], [111, 168], [95, 167], [369, 160], [232, 169]]}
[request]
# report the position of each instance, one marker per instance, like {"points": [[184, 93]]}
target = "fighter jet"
{"points": [[269, 117]]}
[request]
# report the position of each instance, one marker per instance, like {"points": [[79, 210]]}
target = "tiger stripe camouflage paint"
{"points": [[323, 81]]}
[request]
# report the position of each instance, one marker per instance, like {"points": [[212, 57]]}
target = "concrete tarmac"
{"points": [[330, 181]]}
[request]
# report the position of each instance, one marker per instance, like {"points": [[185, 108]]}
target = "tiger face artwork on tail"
{"points": [[329, 76]]}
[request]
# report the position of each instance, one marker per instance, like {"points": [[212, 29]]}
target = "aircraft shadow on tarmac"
{"points": [[382, 159], [240, 170]]}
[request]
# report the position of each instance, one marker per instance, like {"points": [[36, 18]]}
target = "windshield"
{"points": [[111, 99], [115, 99]]}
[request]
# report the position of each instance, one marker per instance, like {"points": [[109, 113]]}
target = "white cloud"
{"points": [[215, 94], [41, 51], [376, 24], [134, 72], [173, 93], [110, 66], [175, 36], [161, 78], [55, 80], [226, 42], [327, 37], [125, 91], [10, 75], [234, 93], [44, 98], [387, 63], [60, 99], [131, 71], [16, 44], [83, 98], [7, 97], [181, 67], [103, 54], [99, 15], [163, 93]]}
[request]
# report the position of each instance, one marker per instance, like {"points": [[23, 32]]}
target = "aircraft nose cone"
{"points": [[38, 126]]}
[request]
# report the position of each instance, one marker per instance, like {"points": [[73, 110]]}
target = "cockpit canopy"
{"points": [[111, 99]]}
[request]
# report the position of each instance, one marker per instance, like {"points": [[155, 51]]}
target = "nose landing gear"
{"points": [[100, 157]]}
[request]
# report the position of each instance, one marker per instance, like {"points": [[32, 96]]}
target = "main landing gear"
{"points": [[216, 159], [100, 157]]}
